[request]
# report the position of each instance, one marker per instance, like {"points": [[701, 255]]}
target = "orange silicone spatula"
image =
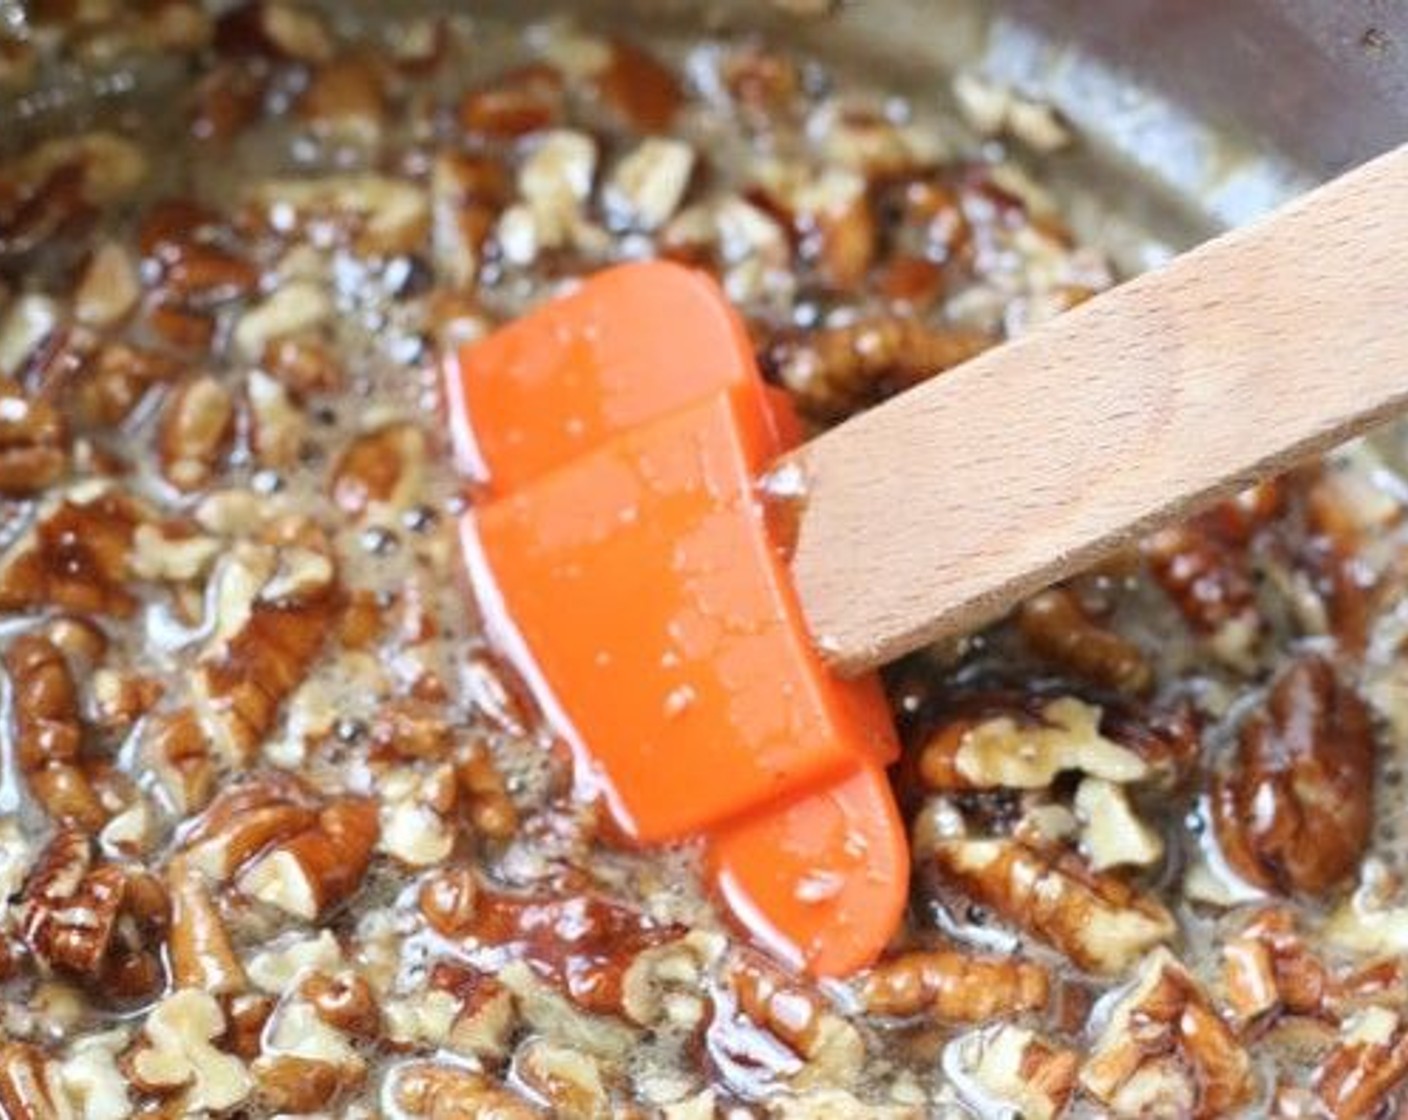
{"points": [[622, 553]]}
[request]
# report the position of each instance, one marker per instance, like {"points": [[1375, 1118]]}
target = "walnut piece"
{"points": [[1112, 834], [1100, 923], [1294, 813], [954, 986], [178, 1055], [1165, 1051]]}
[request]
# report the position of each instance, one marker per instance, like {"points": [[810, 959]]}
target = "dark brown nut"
{"points": [[191, 249], [490, 809], [33, 442], [313, 871], [344, 1002], [75, 558], [383, 466], [447, 900], [1058, 628], [444, 1092], [1267, 967], [1165, 1051], [1021, 746], [115, 380], [954, 987], [226, 100], [347, 98], [247, 675], [519, 102], [28, 1086], [1210, 583], [640, 89], [273, 29], [580, 943], [1295, 811], [836, 371], [200, 949], [1099, 922], [49, 734], [467, 194], [197, 427]]}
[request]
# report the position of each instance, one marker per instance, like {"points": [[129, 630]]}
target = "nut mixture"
{"points": [[281, 835]]}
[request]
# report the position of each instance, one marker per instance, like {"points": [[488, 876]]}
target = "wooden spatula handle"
{"points": [[941, 509]]}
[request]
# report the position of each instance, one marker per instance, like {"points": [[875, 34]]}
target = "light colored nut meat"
{"points": [[178, 1055], [1058, 628], [554, 182], [1112, 833], [484, 795], [467, 193], [1016, 1067], [1209, 580], [447, 899], [1294, 813], [994, 109], [317, 869], [291, 309], [662, 988], [201, 953], [116, 380], [860, 137], [278, 426], [954, 986], [1164, 1051], [648, 184], [92, 1080], [836, 371], [377, 215], [415, 813], [831, 218], [49, 734], [567, 1080], [75, 558], [345, 1002], [24, 327], [109, 287], [384, 467], [197, 426], [1100, 923], [1370, 1060], [29, 1086], [295, 32], [277, 968], [482, 1012], [34, 449], [346, 98], [1012, 752], [445, 1092], [172, 553]]}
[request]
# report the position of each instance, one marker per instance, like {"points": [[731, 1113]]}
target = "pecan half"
{"points": [[1295, 811], [1057, 627], [836, 371], [33, 442], [1166, 1052], [954, 986], [1101, 923]]}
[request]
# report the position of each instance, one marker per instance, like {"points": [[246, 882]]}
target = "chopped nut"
{"points": [[75, 558], [567, 1080], [299, 1086], [647, 186], [413, 814], [836, 371], [467, 194], [1006, 752], [277, 970], [92, 1080], [443, 1092], [1100, 923], [1057, 627], [862, 138], [346, 97], [661, 987], [954, 986], [1112, 835], [378, 215], [1294, 813], [201, 954], [290, 309], [318, 868], [197, 426], [29, 1085], [171, 553], [520, 102], [178, 1054], [109, 288], [487, 803], [994, 109], [382, 468], [33, 442], [49, 734], [277, 426], [642, 91], [1268, 966], [555, 182], [483, 1013], [1369, 1061], [1016, 1067], [179, 753], [1209, 580], [1164, 1051]]}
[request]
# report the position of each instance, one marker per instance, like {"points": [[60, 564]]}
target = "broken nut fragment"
{"points": [[197, 426], [178, 1055], [34, 449], [1058, 628], [1368, 1062], [1165, 1051], [1016, 1067], [954, 986], [1295, 810]]}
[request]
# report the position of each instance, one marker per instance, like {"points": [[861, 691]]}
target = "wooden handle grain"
{"points": [[941, 509]]}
